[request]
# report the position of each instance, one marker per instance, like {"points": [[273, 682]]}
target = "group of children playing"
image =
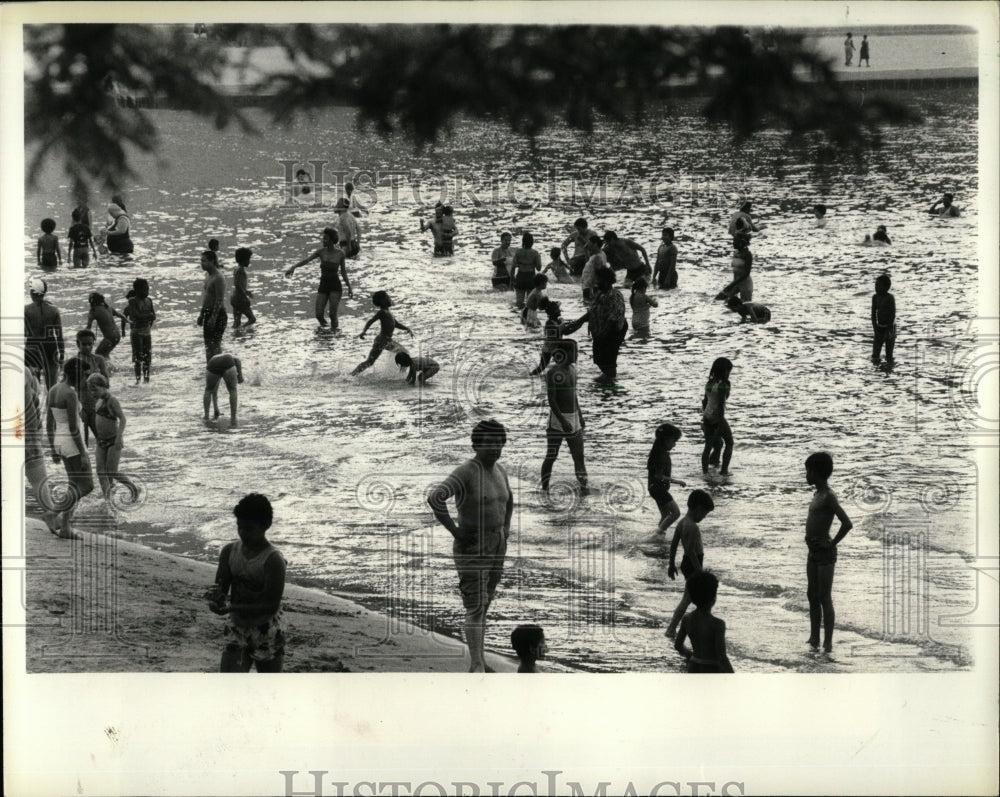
{"points": [[249, 569]]}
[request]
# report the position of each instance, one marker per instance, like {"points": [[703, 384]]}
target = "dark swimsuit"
{"points": [[105, 412], [329, 279]]}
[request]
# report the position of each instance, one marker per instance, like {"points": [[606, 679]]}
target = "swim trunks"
{"points": [[660, 492], [557, 428], [106, 442], [524, 280], [213, 334], [49, 260], [260, 642], [822, 555], [479, 560]]}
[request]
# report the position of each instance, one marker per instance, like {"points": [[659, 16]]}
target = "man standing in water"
{"points": [[213, 318], [485, 505], [43, 334]]}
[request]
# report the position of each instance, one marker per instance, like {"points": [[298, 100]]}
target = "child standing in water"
{"points": [[665, 271], [554, 330], [640, 304], [48, 252], [713, 422], [141, 315], [110, 438], [819, 211], [503, 264], [529, 315], [688, 535], [659, 480], [559, 269], [387, 325], [105, 318], [527, 262], [822, 558], [707, 633], [240, 300], [883, 320], [81, 241]]}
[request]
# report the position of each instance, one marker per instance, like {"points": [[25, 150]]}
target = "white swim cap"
{"points": [[39, 286]]}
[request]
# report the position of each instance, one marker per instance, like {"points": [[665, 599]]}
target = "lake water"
{"points": [[347, 461]]}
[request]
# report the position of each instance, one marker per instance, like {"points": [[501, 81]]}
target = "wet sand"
{"points": [[103, 604]]}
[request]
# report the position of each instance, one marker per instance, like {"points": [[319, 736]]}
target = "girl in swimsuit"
{"points": [[714, 423], [110, 439], [66, 440], [332, 259], [383, 340], [223, 367]]}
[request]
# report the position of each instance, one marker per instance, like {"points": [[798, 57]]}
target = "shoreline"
{"points": [[105, 604]]}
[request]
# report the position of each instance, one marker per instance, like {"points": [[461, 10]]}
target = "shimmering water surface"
{"points": [[347, 461]]}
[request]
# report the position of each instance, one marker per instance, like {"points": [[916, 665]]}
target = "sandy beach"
{"points": [[104, 604]]}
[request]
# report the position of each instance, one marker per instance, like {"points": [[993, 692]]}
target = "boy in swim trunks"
{"points": [[485, 506], [212, 318], [883, 320], [387, 325], [81, 241], [822, 558], [240, 300], [565, 419], [436, 226], [222, 367], [707, 633], [48, 252], [252, 572], [659, 479], [688, 535]]}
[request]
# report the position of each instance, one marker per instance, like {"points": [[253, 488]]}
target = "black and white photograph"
{"points": [[315, 293]]}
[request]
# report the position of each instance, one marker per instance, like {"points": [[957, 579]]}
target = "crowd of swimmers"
{"points": [[78, 402]]}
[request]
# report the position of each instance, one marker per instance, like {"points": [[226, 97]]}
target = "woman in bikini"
{"points": [[332, 260], [65, 434], [110, 439]]}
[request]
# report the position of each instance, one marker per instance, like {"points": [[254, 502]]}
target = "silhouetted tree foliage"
{"points": [[418, 80]]}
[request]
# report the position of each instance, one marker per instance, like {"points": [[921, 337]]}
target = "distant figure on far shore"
{"points": [[848, 50], [863, 54]]}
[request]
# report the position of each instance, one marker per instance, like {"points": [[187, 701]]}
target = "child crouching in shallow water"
{"points": [[707, 632], [387, 325], [110, 434], [420, 368]]}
